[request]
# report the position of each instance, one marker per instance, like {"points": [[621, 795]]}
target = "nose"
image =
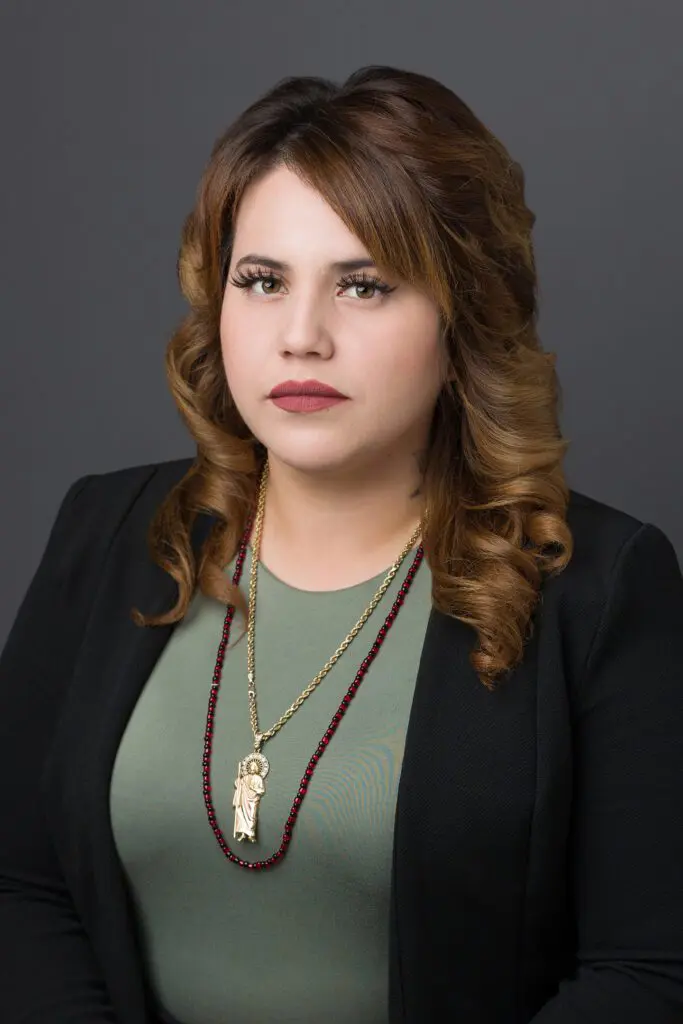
{"points": [[304, 329]]}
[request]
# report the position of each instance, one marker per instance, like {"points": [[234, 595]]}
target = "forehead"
{"points": [[281, 212]]}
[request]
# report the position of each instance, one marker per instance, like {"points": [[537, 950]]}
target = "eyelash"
{"points": [[245, 279]]}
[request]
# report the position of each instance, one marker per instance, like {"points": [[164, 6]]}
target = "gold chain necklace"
{"points": [[253, 769]]}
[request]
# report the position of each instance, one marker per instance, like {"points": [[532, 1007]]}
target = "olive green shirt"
{"points": [[306, 940]]}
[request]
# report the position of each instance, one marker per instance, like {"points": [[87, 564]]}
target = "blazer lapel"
{"points": [[465, 801], [114, 662]]}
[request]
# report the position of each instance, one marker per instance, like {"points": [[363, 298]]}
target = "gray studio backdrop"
{"points": [[108, 113]]}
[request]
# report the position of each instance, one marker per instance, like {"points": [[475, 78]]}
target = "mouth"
{"points": [[307, 402], [305, 388]]}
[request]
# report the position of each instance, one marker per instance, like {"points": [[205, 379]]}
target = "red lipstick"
{"points": [[305, 395]]}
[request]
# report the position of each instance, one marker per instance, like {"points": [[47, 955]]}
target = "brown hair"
{"points": [[434, 196]]}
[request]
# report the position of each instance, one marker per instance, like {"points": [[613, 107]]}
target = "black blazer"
{"points": [[538, 851]]}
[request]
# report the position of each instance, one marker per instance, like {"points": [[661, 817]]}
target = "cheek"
{"points": [[407, 367], [237, 356]]}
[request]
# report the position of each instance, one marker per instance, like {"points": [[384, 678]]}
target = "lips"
{"points": [[316, 388]]}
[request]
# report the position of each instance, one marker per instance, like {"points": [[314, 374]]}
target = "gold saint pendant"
{"points": [[249, 788]]}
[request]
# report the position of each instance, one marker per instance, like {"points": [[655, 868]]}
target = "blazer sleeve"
{"points": [[627, 835], [48, 971]]}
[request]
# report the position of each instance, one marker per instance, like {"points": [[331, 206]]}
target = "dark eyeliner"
{"points": [[361, 277], [244, 279]]}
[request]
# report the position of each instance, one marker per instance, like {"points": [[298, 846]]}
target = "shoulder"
{"points": [[605, 535], [602, 533], [588, 514], [97, 507], [619, 562], [125, 485], [137, 489]]}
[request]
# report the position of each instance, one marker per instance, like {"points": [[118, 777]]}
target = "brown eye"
{"points": [[268, 282], [364, 282], [247, 279], [364, 289]]}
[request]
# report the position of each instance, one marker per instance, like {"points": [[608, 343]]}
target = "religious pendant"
{"points": [[249, 788]]}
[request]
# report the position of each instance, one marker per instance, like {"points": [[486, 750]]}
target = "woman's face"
{"points": [[303, 322]]}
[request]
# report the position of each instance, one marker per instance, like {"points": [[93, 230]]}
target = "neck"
{"points": [[325, 530]]}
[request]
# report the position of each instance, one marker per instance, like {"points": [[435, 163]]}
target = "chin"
{"points": [[313, 462], [314, 458]]}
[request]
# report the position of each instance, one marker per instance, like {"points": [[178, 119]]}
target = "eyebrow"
{"points": [[338, 267]]}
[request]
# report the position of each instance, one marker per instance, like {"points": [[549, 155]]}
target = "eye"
{"points": [[245, 279], [365, 282]]}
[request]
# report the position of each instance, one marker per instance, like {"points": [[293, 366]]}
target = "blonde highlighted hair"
{"points": [[435, 197]]}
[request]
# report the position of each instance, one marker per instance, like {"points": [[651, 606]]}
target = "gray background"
{"points": [[108, 113]]}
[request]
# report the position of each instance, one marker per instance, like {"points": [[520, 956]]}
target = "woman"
{"points": [[385, 722]]}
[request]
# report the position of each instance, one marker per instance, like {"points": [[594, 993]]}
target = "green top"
{"points": [[307, 939]]}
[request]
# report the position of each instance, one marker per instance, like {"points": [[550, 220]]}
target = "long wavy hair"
{"points": [[435, 197]]}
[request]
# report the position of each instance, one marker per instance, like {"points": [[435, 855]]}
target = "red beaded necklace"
{"points": [[327, 735]]}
